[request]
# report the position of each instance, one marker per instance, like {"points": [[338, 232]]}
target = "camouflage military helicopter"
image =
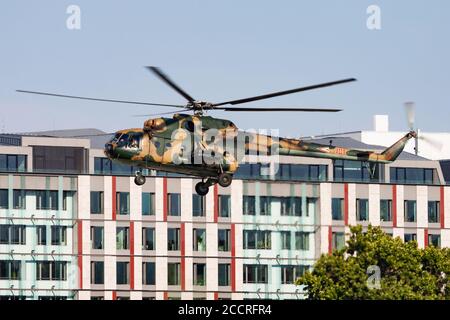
{"points": [[212, 149]]}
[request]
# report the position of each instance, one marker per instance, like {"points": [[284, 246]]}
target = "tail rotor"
{"points": [[410, 111]]}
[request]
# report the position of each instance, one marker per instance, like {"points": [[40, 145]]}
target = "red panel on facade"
{"points": [[233, 255], [216, 296], [183, 253], [131, 255], [425, 238], [114, 295], [330, 240], [114, 201], [80, 251], [166, 295], [346, 204], [216, 203], [164, 199], [442, 208], [394, 206]]}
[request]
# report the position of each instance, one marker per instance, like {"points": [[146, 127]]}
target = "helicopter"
{"points": [[209, 148]]}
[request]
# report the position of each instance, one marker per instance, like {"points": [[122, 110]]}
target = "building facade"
{"points": [[73, 225]]}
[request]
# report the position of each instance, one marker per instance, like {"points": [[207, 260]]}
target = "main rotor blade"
{"points": [[100, 99], [169, 82], [277, 109], [282, 93], [159, 114]]}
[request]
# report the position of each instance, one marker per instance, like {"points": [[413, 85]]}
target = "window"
{"points": [[198, 205], [264, 205], [224, 274], [338, 240], [301, 172], [350, 170], [41, 235], [248, 171], [51, 270], [148, 273], [66, 196], [173, 239], [122, 238], [123, 203], [310, 207], [173, 274], [12, 298], [97, 272], [249, 205], [199, 274], [285, 240], [410, 211], [302, 240], [290, 273], [4, 234], [385, 210], [224, 206], [148, 238], [58, 159], [52, 298], [434, 215], [19, 199], [96, 202], [255, 273], [412, 175], [257, 239], [46, 200], [362, 209], [434, 240], [123, 271], [13, 162], [59, 235], [337, 208], [224, 239], [199, 239], [410, 237], [148, 204], [12, 234], [10, 270], [106, 166], [4, 199], [97, 238], [174, 204], [291, 206]]}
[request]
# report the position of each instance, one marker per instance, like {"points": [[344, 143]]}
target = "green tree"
{"points": [[406, 272]]}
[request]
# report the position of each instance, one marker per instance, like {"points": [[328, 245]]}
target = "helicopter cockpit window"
{"points": [[123, 140], [189, 126], [115, 137], [134, 141]]}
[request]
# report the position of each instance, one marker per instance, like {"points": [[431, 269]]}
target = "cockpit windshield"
{"points": [[114, 138], [131, 140]]}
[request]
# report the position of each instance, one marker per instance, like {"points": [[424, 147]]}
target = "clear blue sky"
{"points": [[220, 50]]}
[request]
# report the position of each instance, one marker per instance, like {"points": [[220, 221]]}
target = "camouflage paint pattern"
{"points": [[205, 146]]}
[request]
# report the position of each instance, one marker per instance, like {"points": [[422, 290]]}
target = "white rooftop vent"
{"points": [[381, 123]]}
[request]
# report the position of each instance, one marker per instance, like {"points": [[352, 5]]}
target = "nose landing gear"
{"points": [[139, 178]]}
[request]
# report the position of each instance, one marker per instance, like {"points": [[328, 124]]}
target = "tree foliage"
{"points": [[406, 272]]}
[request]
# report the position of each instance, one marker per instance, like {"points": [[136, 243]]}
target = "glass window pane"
{"points": [[224, 206]]}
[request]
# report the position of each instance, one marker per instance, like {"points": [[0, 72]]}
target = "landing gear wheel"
{"points": [[225, 179], [202, 188], [139, 179]]}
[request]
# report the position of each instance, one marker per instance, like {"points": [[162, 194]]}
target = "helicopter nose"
{"points": [[109, 150]]}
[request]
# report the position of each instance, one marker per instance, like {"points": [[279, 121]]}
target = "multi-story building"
{"points": [[73, 225]]}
